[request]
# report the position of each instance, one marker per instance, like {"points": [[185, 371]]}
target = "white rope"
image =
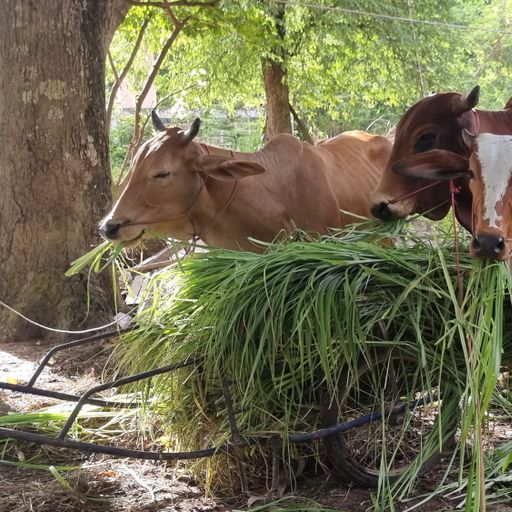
{"points": [[293, 3], [64, 331]]}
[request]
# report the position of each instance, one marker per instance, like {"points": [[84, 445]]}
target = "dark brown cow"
{"points": [[186, 189], [430, 130]]}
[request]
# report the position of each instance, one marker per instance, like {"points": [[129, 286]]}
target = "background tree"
{"points": [[351, 66], [275, 80], [54, 167]]}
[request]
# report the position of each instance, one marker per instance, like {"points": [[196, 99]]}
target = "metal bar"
{"points": [[112, 450], [62, 396], [207, 452], [235, 435], [120, 382], [71, 344], [276, 463], [349, 425]]}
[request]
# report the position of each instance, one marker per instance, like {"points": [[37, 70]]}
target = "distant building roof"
{"points": [[126, 99]]}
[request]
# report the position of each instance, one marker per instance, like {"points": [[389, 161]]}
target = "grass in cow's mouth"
{"points": [[97, 259]]}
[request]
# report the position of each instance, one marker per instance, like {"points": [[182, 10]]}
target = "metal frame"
{"points": [[232, 447]]}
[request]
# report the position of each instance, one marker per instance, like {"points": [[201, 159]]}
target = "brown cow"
{"points": [[185, 189], [430, 128]]}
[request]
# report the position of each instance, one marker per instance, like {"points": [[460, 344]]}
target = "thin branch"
{"points": [[154, 72], [171, 14], [137, 131], [113, 66], [301, 125], [119, 78]]}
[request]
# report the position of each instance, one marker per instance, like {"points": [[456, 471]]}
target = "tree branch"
{"points": [[301, 126], [113, 66], [137, 131], [119, 78]]}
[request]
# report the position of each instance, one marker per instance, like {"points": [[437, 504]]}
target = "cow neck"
{"points": [[199, 233], [212, 150], [498, 122]]}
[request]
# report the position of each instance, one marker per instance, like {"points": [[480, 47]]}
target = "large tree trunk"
{"points": [[54, 167], [278, 118]]}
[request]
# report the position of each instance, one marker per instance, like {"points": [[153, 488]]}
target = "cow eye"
{"points": [[425, 143], [162, 174]]}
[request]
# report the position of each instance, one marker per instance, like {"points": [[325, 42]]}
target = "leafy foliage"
{"points": [[348, 65]]}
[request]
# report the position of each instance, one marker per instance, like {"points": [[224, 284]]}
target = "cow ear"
{"points": [[468, 138], [437, 164], [227, 169], [462, 104]]}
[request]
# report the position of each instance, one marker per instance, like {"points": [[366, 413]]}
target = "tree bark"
{"points": [[54, 166], [277, 118]]}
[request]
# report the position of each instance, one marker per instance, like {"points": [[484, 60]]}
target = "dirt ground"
{"points": [[122, 485]]}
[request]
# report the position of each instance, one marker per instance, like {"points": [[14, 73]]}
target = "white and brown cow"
{"points": [[184, 189], [490, 165], [488, 170]]}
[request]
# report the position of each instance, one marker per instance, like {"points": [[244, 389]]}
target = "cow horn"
{"points": [[464, 103], [157, 122], [192, 131], [468, 138]]}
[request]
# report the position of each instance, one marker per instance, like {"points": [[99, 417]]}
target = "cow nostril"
{"points": [[110, 230], [500, 246], [381, 211]]}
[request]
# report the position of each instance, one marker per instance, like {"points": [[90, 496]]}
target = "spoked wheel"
{"points": [[391, 384]]}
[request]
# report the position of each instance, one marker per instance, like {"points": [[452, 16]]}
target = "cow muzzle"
{"points": [[383, 211], [386, 208], [489, 246], [110, 230]]}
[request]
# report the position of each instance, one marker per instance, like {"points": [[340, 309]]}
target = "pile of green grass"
{"points": [[287, 327]]}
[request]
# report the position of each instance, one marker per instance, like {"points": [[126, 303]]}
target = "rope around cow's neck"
{"points": [[217, 216], [460, 287], [415, 192], [182, 214]]}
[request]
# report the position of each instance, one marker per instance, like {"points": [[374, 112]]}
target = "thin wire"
{"points": [[293, 3], [33, 322]]}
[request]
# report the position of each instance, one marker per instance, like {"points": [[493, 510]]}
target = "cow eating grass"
{"points": [[185, 189], [430, 132]]}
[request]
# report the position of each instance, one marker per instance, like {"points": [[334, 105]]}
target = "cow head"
{"points": [[428, 133], [491, 165], [167, 184]]}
